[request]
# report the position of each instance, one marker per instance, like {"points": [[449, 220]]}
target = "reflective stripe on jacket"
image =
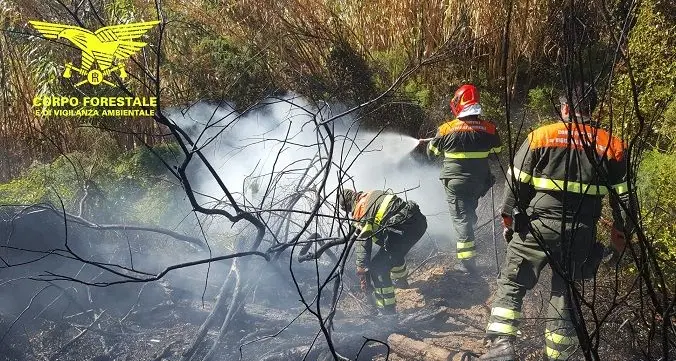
{"points": [[574, 162], [372, 210], [374, 207], [465, 146]]}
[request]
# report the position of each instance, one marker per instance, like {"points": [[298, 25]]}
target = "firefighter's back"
{"points": [[572, 167]]}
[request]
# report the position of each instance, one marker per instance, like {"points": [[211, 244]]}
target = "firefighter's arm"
{"points": [[509, 200], [434, 146], [519, 188], [517, 196], [496, 147], [363, 259], [363, 247], [364, 230], [622, 204]]}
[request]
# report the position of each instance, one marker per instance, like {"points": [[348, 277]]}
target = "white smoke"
{"points": [[246, 150]]}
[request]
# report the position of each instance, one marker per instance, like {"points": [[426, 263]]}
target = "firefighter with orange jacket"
{"points": [[392, 224], [552, 203], [465, 143]]}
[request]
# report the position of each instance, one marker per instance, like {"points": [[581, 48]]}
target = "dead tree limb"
{"points": [[67, 345], [26, 210]]}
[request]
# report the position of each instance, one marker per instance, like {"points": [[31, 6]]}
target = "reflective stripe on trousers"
{"points": [[559, 346], [384, 296], [465, 250], [503, 321], [553, 354], [399, 272]]}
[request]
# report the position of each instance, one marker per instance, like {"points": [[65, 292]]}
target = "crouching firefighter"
{"points": [[394, 225], [553, 200]]}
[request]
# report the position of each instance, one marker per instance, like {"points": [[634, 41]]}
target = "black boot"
{"points": [[387, 310], [401, 283], [502, 349], [467, 266]]}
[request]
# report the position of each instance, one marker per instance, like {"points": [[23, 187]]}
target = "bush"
{"points": [[218, 68], [653, 59], [131, 187], [539, 103], [491, 106], [657, 193]]}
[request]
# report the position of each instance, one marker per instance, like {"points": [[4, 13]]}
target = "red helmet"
{"points": [[466, 101]]}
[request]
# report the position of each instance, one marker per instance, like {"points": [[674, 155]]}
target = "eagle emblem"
{"points": [[108, 47]]}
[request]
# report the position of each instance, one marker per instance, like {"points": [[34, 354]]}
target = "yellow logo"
{"points": [[105, 47]]}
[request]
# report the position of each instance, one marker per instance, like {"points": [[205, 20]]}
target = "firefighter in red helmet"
{"points": [[465, 142]]}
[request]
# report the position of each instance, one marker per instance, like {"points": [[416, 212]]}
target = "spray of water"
{"points": [[249, 150]]}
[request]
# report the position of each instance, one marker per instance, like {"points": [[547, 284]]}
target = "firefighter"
{"points": [[394, 225], [554, 190], [465, 143]]}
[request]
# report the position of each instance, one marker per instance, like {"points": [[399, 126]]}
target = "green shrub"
{"points": [[653, 60], [389, 64], [131, 187], [539, 102], [418, 92], [491, 106], [55, 183], [657, 193], [218, 68]]}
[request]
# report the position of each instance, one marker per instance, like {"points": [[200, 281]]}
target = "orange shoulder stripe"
{"points": [[457, 125], [563, 135], [447, 127]]}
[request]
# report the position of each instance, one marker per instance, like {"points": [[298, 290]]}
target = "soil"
{"points": [[442, 307], [164, 330]]}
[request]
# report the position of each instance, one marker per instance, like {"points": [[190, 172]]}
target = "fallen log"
{"points": [[294, 353], [411, 349], [426, 316]]}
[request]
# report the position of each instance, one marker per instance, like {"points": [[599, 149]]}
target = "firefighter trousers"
{"points": [[576, 254], [390, 259], [463, 200]]}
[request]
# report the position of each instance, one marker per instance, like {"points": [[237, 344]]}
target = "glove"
{"points": [[520, 221], [507, 232], [363, 274], [489, 182], [618, 240]]}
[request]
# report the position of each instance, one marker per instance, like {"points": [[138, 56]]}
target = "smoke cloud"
{"points": [[248, 150]]}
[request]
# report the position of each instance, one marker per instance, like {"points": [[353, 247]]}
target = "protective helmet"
{"points": [[465, 101], [583, 100], [346, 199]]}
